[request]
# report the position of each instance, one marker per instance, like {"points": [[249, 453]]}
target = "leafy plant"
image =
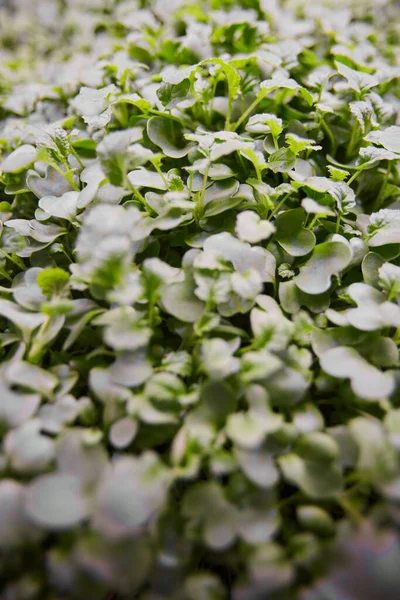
{"points": [[199, 299]]}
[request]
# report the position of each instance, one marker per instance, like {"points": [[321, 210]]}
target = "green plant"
{"points": [[199, 301]]}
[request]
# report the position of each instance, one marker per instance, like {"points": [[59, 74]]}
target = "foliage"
{"points": [[199, 298]]}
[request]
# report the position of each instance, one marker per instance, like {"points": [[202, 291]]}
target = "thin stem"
{"points": [[157, 168], [353, 138], [5, 275], [278, 206], [36, 351], [350, 510], [167, 115], [151, 306], [120, 116], [338, 221], [246, 113], [383, 187], [228, 114], [329, 134], [200, 206], [354, 176], [312, 222], [15, 259], [76, 155], [139, 196], [66, 175]]}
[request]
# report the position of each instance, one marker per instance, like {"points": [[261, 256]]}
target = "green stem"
{"points": [[76, 155], [167, 115], [330, 135], [139, 196], [37, 349], [382, 190], [157, 168], [353, 139], [200, 205], [312, 222], [120, 116], [67, 175], [338, 221], [349, 509], [278, 206], [247, 112], [228, 114], [5, 275], [354, 176], [151, 307], [15, 259]]}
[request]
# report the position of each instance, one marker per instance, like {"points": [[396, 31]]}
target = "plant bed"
{"points": [[199, 300]]}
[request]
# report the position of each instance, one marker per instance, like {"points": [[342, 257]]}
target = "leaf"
{"points": [[282, 82], [27, 450], [179, 300], [316, 519], [52, 184], [250, 228], [247, 430], [56, 502], [313, 207], [259, 467], [122, 433], [388, 138], [19, 160], [91, 104], [370, 268], [282, 160], [367, 381], [52, 281], [172, 94], [125, 328], [291, 235], [357, 80], [144, 483], [265, 123], [144, 178], [167, 134], [16, 408], [328, 259], [389, 279], [65, 207], [27, 322], [217, 359], [385, 228], [298, 144], [377, 459], [32, 377], [372, 312], [317, 479]]}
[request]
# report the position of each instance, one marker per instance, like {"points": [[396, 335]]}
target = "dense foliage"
{"points": [[199, 301]]}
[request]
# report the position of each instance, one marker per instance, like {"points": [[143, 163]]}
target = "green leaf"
{"points": [[282, 160], [328, 259], [317, 479], [377, 459], [357, 80], [19, 160], [291, 234], [388, 138], [250, 228], [367, 381], [167, 134], [52, 281], [56, 502]]}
